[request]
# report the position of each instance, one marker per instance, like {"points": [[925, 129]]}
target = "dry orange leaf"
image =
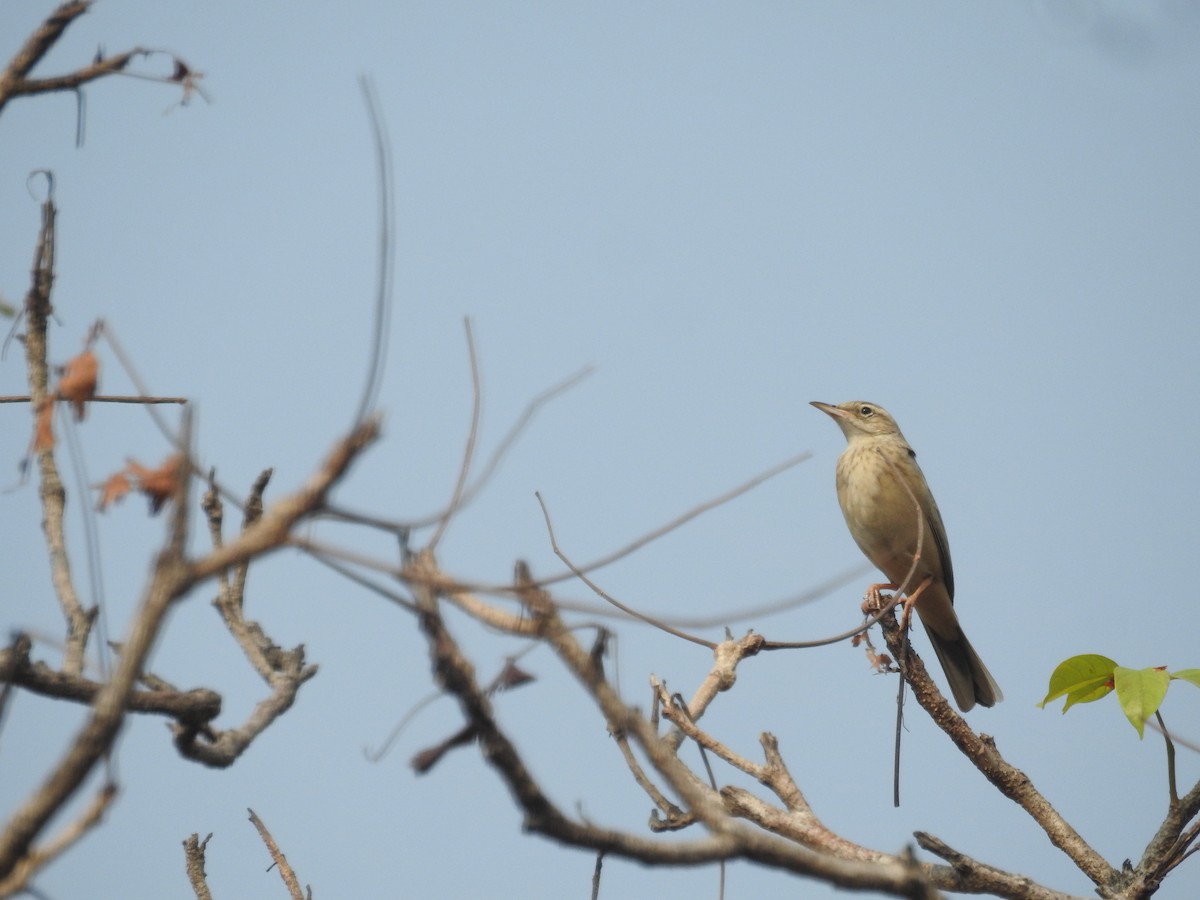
{"points": [[114, 489], [78, 382], [157, 484]]}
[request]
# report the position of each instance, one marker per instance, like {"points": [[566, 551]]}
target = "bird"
{"points": [[880, 487]]}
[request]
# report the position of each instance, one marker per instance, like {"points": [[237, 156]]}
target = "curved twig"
{"points": [[469, 453], [649, 620], [380, 330]]}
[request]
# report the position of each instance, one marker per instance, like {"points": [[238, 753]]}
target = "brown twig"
{"points": [[1172, 843], [12, 79], [464, 470], [284, 671], [169, 581], [285, 869], [193, 854], [194, 707], [845, 635], [37, 858], [981, 751], [398, 526], [971, 876], [762, 610], [727, 838], [649, 620], [678, 521], [271, 531], [727, 656], [15, 80], [103, 398], [52, 494]]}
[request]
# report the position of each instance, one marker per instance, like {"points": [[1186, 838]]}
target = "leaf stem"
{"points": [[1170, 760]]}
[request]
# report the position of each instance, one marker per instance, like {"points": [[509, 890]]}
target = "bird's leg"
{"points": [[873, 602], [910, 600]]}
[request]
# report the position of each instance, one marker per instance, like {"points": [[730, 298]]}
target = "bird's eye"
{"points": [[865, 411]]}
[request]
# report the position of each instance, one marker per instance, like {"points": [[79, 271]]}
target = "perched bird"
{"points": [[878, 480]]}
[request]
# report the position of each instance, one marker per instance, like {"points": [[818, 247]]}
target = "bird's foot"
{"points": [[873, 601]]}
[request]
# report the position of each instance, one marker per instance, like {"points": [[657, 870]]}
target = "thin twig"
{"points": [[400, 526], [103, 398], [469, 453], [649, 620], [678, 521], [285, 869], [821, 642], [380, 329], [822, 590]]}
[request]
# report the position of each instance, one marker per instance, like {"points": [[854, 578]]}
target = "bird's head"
{"points": [[858, 418]]}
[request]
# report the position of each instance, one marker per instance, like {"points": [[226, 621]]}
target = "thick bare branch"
{"points": [[728, 838], [169, 581], [973, 877], [1169, 845], [12, 79], [193, 707], [981, 750], [50, 486], [40, 857], [272, 530], [193, 853]]}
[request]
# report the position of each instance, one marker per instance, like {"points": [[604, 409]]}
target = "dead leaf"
{"points": [[114, 490], [78, 382], [157, 484], [511, 676]]}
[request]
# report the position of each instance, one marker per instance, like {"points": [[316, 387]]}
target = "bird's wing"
{"points": [[937, 532], [934, 529]]}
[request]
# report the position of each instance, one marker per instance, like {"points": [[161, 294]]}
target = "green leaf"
{"points": [[1192, 675], [1081, 679], [1140, 692]]}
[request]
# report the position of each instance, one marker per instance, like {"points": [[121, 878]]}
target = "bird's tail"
{"points": [[970, 681]]}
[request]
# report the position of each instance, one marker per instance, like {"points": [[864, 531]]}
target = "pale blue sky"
{"points": [[983, 216]]}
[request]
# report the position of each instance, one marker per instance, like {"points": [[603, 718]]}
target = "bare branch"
{"points": [[194, 707], [974, 877], [15, 80], [649, 620], [729, 617], [103, 398], [271, 531], [40, 857], [383, 277], [981, 751], [727, 840], [873, 619], [679, 521], [51, 491], [193, 853], [469, 452], [1170, 844], [12, 79], [285, 870], [506, 444], [169, 581]]}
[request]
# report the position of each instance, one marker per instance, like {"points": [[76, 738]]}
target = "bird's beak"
{"points": [[830, 409]]}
